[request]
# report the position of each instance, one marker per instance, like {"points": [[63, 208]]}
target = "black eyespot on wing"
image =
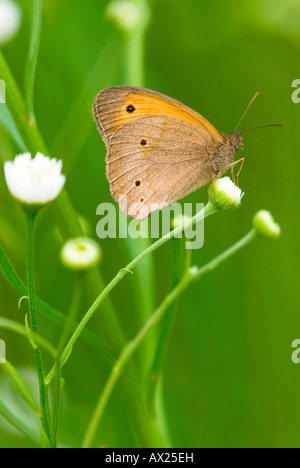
{"points": [[137, 183], [143, 142], [130, 108]]}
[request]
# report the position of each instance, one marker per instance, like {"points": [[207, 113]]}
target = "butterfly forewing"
{"points": [[118, 105]]}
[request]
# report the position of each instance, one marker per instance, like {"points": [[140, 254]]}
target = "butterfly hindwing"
{"points": [[155, 160]]}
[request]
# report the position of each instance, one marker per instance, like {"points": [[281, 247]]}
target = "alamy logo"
{"points": [[296, 353], [296, 93], [111, 226], [2, 352], [2, 92]]}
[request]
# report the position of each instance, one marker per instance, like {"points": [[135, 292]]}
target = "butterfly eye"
{"points": [[130, 108], [143, 142]]}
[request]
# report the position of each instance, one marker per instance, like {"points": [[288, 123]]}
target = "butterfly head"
{"points": [[236, 141]]}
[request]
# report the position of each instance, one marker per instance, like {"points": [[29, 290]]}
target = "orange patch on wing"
{"points": [[145, 105]]}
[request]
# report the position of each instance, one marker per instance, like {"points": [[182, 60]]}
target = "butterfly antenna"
{"points": [[248, 107], [262, 126]]}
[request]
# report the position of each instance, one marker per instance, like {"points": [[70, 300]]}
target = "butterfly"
{"points": [[158, 149]]}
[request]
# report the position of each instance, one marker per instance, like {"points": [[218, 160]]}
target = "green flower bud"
{"points": [[265, 225], [127, 14], [227, 195], [80, 254]]}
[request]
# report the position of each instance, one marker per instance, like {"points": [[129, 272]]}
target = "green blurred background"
{"points": [[228, 377]]}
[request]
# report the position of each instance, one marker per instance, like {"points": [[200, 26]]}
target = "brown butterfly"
{"points": [[158, 149]]}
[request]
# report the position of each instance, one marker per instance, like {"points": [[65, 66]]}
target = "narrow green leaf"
{"points": [[20, 386], [18, 423], [20, 330], [8, 124], [30, 334], [45, 443]]}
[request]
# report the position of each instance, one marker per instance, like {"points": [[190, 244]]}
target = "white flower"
{"points": [[80, 254], [227, 195], [265, 225], [127, 14], [34, 182], [10, 20]]}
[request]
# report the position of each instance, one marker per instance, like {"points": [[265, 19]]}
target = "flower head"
{"points": [[80, 254], [265, 225], [226, 194], [34, 182], [10, 20]]}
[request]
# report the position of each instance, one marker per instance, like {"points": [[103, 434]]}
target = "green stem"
{"points": [[34, 325], [181, 260], [178, 250], [134, 46], [65, 334], [75, 303], [247, 239], [56, 404], [33, 56], [208, 210], [131, 347]]}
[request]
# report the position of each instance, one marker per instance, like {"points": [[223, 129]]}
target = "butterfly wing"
{"points": [[119, 105], [155, 160]]}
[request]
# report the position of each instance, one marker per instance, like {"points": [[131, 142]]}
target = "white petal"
{"points": [[34, 181]]}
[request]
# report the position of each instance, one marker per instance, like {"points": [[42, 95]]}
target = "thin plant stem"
{"points": [[33, 57], [34, 326], [134, 47], [72, 315], [181, 260], [132, 346], [58, 383], [179, 266], [208, 210], [56, 404]]}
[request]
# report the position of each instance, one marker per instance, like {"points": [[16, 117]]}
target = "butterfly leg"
{"points": [[242, 160], [232, 175]]}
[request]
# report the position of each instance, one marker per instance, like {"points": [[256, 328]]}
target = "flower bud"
{"points": [[265, 225], [80, 254], [227, 195], [127, 14], [10, 20]]}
